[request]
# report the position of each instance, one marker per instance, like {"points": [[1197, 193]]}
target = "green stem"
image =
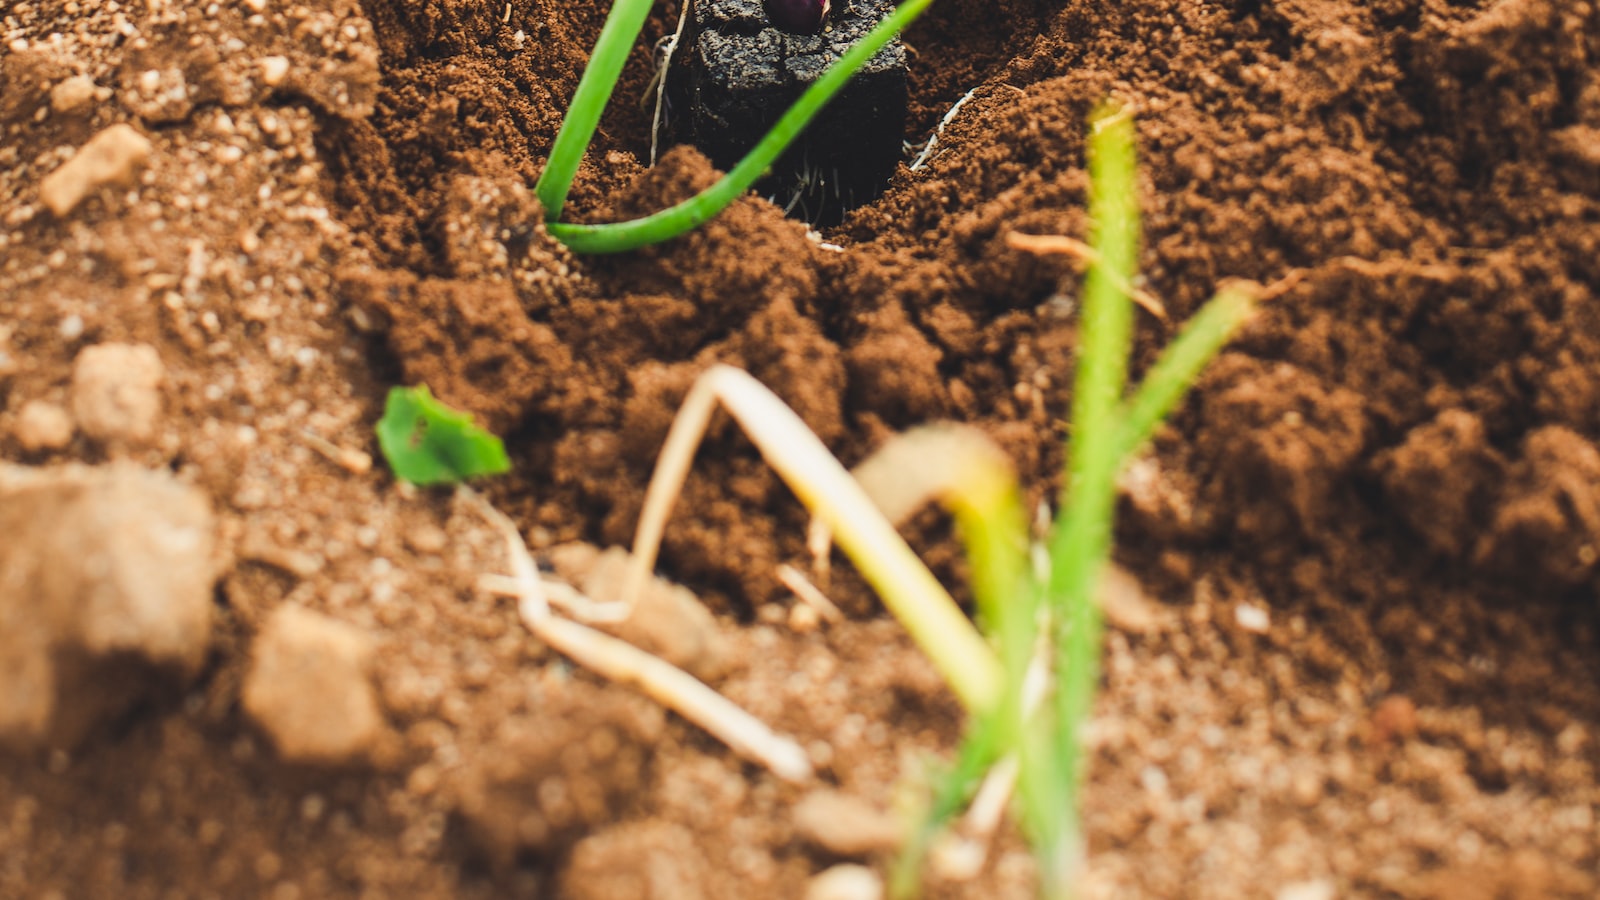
{"points": [[1175, 372], [1082, 536], [617, 35], [697, 210]]}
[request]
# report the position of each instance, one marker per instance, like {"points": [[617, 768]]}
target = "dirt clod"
{"points": [[108, 575], [650, 861], [545, 782], [1549, 511], [42, 425], [116, 392], [845, 825], [111, 158], [309, 688]]}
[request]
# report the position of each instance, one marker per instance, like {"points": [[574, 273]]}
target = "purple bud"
{"points": [[798, 16]]}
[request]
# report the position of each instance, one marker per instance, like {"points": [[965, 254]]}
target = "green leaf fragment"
{"points": [[427, 442]]}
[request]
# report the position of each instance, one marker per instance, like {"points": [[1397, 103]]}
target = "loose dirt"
{"points": [[1370, 540]]}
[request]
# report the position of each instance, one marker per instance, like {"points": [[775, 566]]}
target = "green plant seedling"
{"points": [[621, 29], [427, 442], [1029, 685]]}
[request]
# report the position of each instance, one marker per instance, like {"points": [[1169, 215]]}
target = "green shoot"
{"points": [[427, 442], [598, 81], [1081, 539], [1106, 431]]}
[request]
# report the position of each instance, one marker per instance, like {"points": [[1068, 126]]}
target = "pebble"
{"points": [[42, 425], [1125, 604], [427, 539], [845, 882], [116, 393], [844, 825], [309, 688], [72, 94], [1252, 618], [112, 157], [1320, 889], [1395, 717], [273, 70]]}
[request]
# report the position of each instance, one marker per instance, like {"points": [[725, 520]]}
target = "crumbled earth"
{"points": [[1365, 659]]}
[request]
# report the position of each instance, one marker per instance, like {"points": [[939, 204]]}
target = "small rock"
{"points": [[107, 575], [957, 859], [111, 157], [43, 426], [1321, 889], [115, 392], [649, 860], [844, 825], [1125, 604], [845, 882], [273, 70], [309, 688], [667, 619], [1252, 618], [427, 539], [804, 618], [72, 94], [543, 781], [1395, 718]]}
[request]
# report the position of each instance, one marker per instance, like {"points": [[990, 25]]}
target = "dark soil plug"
{"points": [[736, 72]]}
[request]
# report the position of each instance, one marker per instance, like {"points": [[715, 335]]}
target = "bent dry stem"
{"points": [[907, 587]]}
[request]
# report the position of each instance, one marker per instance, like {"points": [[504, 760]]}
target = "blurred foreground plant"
{"points": [[1029, 683]]}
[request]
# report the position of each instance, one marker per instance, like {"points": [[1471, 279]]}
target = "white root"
{"points": [[933, 140], [808, 593], [660, 80], [1060, 244], [624, 663]]}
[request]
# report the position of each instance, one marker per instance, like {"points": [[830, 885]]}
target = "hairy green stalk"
{"points": [[699, 209], [1082, 538]]}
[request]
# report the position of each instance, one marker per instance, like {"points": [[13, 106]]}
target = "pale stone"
{"points": [[846, 882], [43, 426], [112, 157], [72, 94], [844, 825], [310, 690], [116, 392]]}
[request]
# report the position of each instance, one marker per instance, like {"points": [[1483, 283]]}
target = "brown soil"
{"points": [[1396, 463]]}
